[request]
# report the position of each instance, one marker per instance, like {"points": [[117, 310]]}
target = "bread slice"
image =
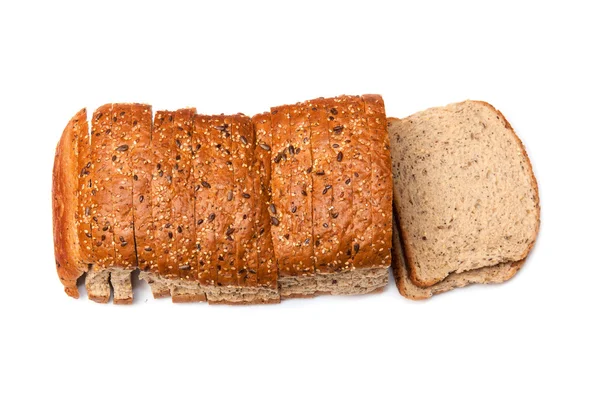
{"points": [[340, 164], [280, 187], [163, 160], [122, 194], [381, 179], [245, 200], [322, 181], [300, 203], [267, 265], [71, 233], [464, 190], [494, 274], [183, 202], [141, 160]]}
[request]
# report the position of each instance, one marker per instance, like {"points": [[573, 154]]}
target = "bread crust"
{"points": [[280, 188], [322, 178], [381, 179], [223, 182], [141, 160], [267, 265], [362, 244], [121, 186], [300, 204], [162, 193], [246, 201], [203, 199], [340, 145], [183, 201], [65, 212], [102, 213]]}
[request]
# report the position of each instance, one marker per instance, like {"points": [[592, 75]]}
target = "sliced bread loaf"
{"points": [[464, 190]]}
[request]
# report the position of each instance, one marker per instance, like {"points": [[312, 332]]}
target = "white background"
{"points": [[536, 336]]}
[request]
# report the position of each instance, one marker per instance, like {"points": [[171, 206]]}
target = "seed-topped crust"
{"points": [[300, 204], [68, 220], [141, 163], [204, 199], [244, 200], [280, 189], [102, 148], [267, 266], [163, 158], [322, 177], [381, 180], [224, 211], [339, 154], [183, 203], [360, 180], [122, 186]]}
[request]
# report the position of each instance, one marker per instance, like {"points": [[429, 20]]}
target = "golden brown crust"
{"points": [[267, 266], [381, 179], [141, 159], [300, 202], [245, 201], [362, 246], [121, 186], [84, 197], [65, 214], [102, 214], [322, 179], [339, 154], [280, 187], [224, 211], [163, 159], [204, 199], [182, 204]]}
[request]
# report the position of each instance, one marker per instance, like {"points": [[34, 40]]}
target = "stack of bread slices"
{"points": [[465, 199]]}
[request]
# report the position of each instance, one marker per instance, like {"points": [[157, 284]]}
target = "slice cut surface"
{"points": [[464, 190]]}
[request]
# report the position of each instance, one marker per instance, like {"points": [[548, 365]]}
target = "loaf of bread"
{"points": [[230, 209], [465, 196]]}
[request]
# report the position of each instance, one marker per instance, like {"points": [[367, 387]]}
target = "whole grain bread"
{"points": [[221, 208], [72, 236], [464, 190], [494, 274], [141, 163]]}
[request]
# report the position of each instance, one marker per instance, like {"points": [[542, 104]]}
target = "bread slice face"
{"points": [[494, 274], [464, 190]]}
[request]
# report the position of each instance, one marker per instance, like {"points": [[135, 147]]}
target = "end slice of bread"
{"points": [[464, 190]]}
